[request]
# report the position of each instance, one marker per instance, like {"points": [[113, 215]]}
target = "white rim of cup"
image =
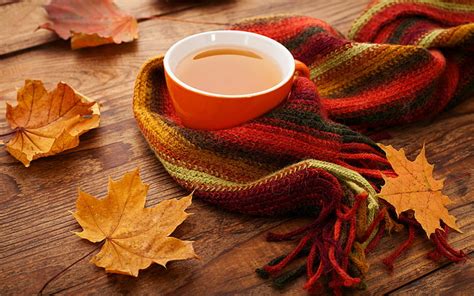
{"points": [[278, 45]]}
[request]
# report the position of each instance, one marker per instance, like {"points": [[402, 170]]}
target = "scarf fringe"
{"points": [[332, 249]]}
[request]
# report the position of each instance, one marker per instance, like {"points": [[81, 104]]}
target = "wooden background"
{"points": [[38, 252]]}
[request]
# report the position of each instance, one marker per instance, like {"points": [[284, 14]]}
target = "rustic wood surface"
{"points": [[38, 253]]}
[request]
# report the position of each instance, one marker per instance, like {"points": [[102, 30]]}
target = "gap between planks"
{"points": [[433, 272], [30, 39]]}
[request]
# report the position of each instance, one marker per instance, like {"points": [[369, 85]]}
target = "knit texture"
{"points": [[385, 82], [302, 157]]}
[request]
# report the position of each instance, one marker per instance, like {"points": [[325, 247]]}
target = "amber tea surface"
{"points": [[229, 71]]}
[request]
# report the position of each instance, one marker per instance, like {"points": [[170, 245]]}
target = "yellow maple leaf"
{"points": [[416, 189], [135, 236], [47, 123]]}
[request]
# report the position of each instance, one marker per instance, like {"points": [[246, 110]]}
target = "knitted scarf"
{"points": [[404, 61]]}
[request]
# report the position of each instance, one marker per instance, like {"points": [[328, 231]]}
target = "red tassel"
{"points": [[310, 262], [372, 226], [444, 249], [358, 199], [375, 241], [351, 237], [278, 267], [347, 279], [314, 278], [390, 259]]}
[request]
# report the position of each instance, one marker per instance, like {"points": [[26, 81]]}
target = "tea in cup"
{"points": [[220, 79]]}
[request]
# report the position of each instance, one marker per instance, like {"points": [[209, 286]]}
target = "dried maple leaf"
{"points": [[135, 236], [416, 189], [90, 22], [46, 123]]}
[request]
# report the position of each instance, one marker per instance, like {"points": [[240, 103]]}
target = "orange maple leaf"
{"points": [[90, 22], [416, 189], [135, 236], [46, 123]]}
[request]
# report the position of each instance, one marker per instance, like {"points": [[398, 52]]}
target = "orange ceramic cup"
{"points": [[210, 111]]}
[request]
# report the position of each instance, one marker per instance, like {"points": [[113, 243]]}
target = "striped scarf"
{"points": [[404, 61]]}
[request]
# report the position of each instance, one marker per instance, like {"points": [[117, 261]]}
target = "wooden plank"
{"points": [[21, 20], [450, 280], [338, 13], [35, 228], [24, 17]]}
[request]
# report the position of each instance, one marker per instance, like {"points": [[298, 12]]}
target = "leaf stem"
{"points": [[9, 133], [67, 268]]}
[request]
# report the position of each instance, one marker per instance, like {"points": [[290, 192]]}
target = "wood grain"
{"points": [[38, 251], [453, 280], [338, 13], [21, 20]]}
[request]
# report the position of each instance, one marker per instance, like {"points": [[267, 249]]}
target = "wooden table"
{"points": [[38, 252]]}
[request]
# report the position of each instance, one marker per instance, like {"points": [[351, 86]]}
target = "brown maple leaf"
{"points": [[416, 189], [135, 236], [46, 123], [90, 22]]}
